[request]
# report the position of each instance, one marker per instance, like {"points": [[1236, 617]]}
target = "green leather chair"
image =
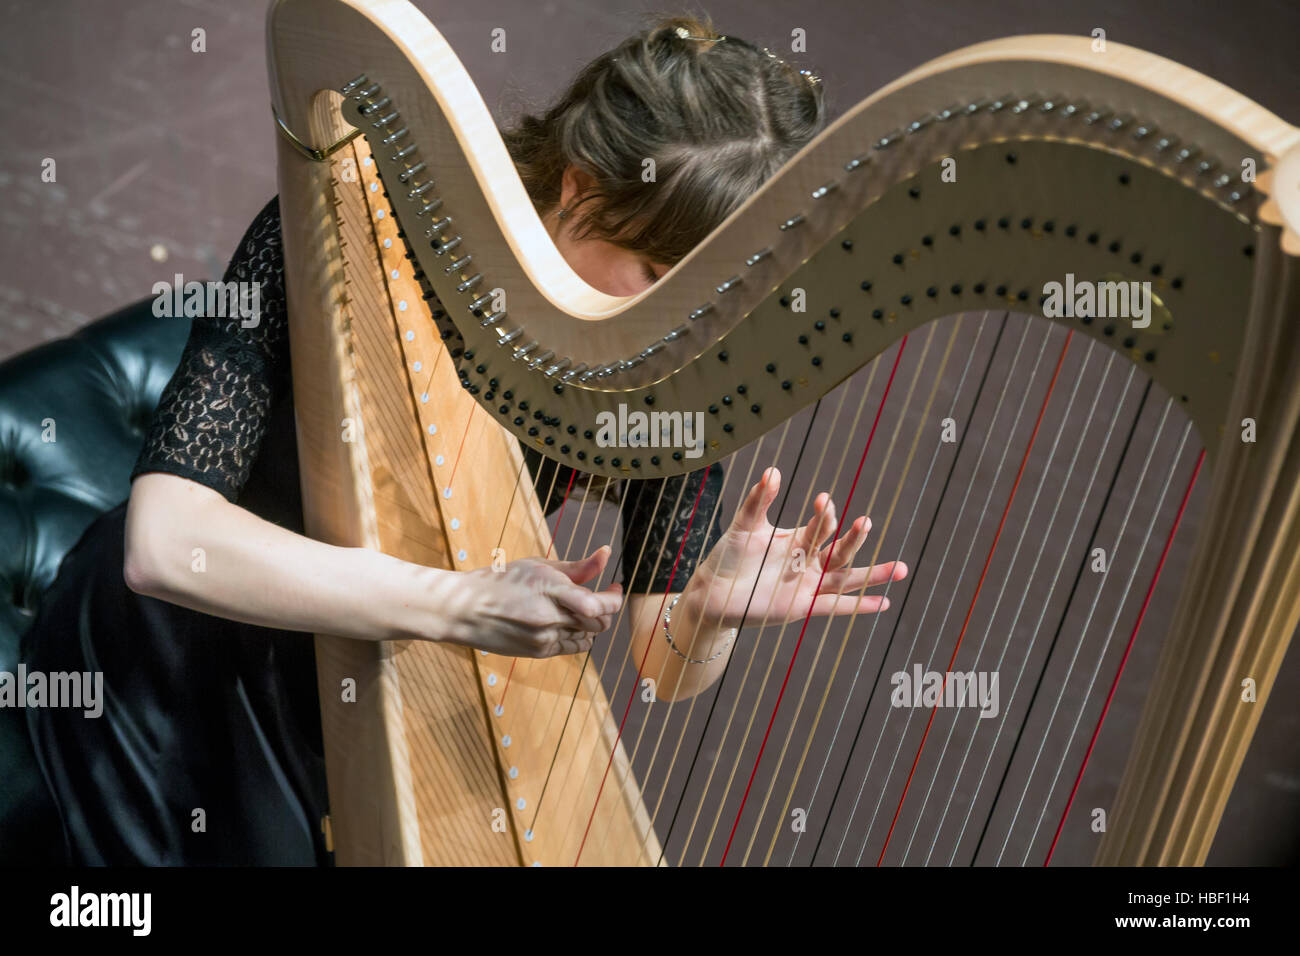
{"points": [[98, 389]]}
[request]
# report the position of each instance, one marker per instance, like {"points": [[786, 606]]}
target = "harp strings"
{"points": [[1046, 470], [881, 533], [753, 657], [907, 536], [939, 576], [1051, 650], [1119, 672], [1119, 606], [1042, 613]]}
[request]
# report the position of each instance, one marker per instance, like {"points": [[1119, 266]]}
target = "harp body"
{"points": [[445, 753]]}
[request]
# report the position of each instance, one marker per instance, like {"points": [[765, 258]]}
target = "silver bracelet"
{"points": [[692, 660]]}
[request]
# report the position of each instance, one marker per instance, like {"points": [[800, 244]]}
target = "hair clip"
{"points": [[686, 34], [809, 75]]}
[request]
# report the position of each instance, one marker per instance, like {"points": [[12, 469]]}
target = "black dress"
{"points": [[209, 749]]}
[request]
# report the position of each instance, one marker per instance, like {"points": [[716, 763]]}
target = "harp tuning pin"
{"points": [[458, 265], [1142, 131], [1186, 153], [1001, 103], [1222, 180], [368, 91], [917, 125], [509, 337], [1119, 122], [469, 283], [366, 108], [1165, 142], [889, 139], [347, 88], [524, 349], [794, 220], [855, 164], [1094, 117], [427, 208], [977, 106], [1205, 166], [707, 307], [385, 120], [677, 333], [558, 367], [729, 285], [419, 191], [822, 191], [758, 257], [393, 137], [572, 373], [541, 359], [1022, 105], [478, 303], [1049, 104], [493, 319], [405, 175], [1070, 110], [447, 245], [403, 152], [946, 114]]}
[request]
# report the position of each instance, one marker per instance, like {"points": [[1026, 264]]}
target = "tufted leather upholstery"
{"points": [[99, 386]]}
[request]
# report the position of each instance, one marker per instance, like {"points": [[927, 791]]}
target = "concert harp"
{"points": [[436, 330]]}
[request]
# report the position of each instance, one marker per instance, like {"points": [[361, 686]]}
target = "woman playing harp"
{"points": [[211, 682]]}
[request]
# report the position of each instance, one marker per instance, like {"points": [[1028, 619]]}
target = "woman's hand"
{"points": [[535, 607], [785, 585], [260, 573]]}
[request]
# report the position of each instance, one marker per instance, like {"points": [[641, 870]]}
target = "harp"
{"points": [[837, 282]]}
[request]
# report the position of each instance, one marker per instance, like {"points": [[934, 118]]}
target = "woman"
{"points": [[197, 596]]}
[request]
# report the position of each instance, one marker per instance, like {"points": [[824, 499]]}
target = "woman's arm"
{"points": [[186, 544]]}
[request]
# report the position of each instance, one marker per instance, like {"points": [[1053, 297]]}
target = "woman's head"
{"points": [[655, 143]]}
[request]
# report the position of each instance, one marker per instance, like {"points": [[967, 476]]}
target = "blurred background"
{"points": [[164, 155]]}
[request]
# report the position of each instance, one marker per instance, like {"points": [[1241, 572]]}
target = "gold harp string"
{"points": [[727, 726], [1097, 459], [916, 508], [663, 719], [881, 471], [965, 561], [880, 539]]}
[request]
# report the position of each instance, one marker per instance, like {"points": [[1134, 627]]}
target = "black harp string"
{"points": [[1060, 625], [803, 509], [577, 807], [631, 760], [881, 470], [880, 534], [1048, 469], [718, 687], [1119, 607], [686, 720], [848, 698], [943, 563], [1038, 624]]}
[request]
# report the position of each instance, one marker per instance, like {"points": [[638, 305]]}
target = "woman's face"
{"points": [[602, 265]]}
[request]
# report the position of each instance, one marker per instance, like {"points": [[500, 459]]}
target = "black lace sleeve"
{"points": [[212, 415], [661, 518]]}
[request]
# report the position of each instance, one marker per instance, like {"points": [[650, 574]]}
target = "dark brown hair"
{"points": [[717, 115]]}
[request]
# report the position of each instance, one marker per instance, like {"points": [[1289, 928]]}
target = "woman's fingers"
{"points": [[752, 515], [810, 537], [855, 579], [584, 569], [842, 554], [826, 605], [589, 604]]}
